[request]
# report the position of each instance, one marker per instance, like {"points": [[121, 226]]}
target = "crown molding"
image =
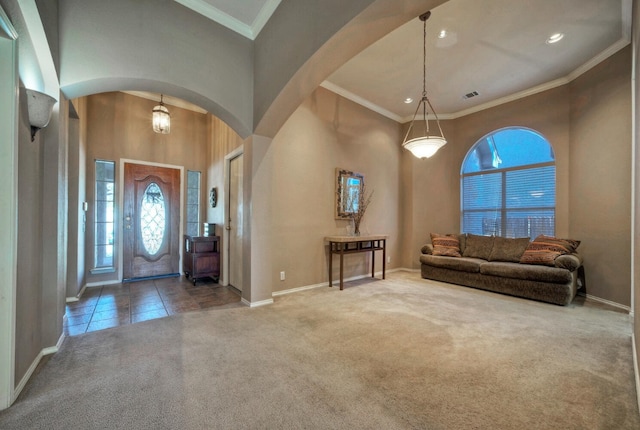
{"points": [[222, 18], [360, 100], [215, 14], [263, 16]]}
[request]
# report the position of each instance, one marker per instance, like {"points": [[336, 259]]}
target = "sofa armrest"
{"points": [[570, 262], [427, 249]]}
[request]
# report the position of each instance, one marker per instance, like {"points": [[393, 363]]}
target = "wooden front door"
{"points": [[151, 221]]}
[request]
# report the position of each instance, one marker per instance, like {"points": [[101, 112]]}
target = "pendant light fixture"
{"points": [[426, 145], [161, 118]]}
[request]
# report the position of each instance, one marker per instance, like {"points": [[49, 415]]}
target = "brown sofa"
{"points": [[503, 265]]}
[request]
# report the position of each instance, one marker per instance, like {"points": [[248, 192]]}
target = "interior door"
{"points": [[234, 223], [151, 246]]}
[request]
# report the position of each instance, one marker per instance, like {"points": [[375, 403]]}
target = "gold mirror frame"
{"points": [[346, 182]]}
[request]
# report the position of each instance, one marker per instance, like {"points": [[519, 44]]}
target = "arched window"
{"points": [[508, 185]]}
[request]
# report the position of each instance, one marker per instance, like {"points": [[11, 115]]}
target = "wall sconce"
{"points": [[40, 106]]}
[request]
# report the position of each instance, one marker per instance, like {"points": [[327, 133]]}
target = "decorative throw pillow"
{"points": [[478, 246], [447, 245], [508, 249], [544, 250]]}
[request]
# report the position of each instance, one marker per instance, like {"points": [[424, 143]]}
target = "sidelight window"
{"points": [[104, 227], [193, 202]]}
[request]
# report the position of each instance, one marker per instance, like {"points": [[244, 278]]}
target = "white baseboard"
{"points": [[636, 370], [256, 304], [72, 299], [298, 289], [81, 292], [45, 351], [625, 308], [100, 284], [326, 284]]}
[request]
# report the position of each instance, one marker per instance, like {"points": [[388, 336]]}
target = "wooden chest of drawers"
{"points": [[201, 257]]}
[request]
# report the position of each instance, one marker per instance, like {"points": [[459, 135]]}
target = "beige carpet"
{"points": [[403, 353]]}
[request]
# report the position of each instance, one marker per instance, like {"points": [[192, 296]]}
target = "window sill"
{"points": [[100, 270]]}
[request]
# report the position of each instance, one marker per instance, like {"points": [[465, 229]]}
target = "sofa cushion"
{"points": [[526, 272], [478, 246], [508, 249], [462, 264], [545, 249], [445, 245]]}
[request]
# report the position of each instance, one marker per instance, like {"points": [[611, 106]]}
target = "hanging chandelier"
{"points": [[161, 118], [426, 145]]}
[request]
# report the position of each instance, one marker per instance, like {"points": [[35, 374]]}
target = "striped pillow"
{"points": [[447, 245], [544, 250]]}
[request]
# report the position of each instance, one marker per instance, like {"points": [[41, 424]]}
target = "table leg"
{"points": [[384, 257], [373, 261], [331, 264], [341, 265]]}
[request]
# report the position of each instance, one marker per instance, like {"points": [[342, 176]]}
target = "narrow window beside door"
{"points": [[193, 203], [104, 216]]}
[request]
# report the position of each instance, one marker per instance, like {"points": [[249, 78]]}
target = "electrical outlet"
{"points": [[388, 259], [282, 275]]}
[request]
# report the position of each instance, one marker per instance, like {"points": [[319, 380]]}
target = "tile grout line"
{"points": [[94, 309]]}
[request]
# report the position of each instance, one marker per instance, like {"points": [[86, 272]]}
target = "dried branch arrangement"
{"points": [[357, 206]]}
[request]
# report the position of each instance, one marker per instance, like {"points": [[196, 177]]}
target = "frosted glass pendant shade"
{"points": [[425, 147]]}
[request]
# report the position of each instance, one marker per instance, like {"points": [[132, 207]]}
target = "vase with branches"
{"points": [[358, 203]]}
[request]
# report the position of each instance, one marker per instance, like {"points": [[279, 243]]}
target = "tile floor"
{"points": [[121, 304]]}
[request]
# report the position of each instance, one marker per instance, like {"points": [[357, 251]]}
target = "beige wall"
{"points": [[636, 202], [223, 141], [118, 126], [29, 318], [588, 124], [600, 175], [325, 132]]}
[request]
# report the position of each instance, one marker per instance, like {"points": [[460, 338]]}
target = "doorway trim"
{"points": [[224, 279], [9, 112], [120, 213]]}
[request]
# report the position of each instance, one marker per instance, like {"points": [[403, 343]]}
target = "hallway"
{"points": [[115, 305]]}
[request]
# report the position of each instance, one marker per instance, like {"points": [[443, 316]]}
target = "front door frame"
{"points": [[120, 211], [224, 279]]}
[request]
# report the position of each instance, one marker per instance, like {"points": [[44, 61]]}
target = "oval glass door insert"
{"points": [[152, 218]]}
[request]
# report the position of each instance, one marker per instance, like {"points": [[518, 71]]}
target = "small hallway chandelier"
{"points": [[161, 119], [426, 145]]}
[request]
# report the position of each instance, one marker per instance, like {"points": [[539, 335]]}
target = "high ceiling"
{"points": [[496, 48]]}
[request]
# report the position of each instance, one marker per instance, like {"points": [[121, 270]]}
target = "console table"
{"points": [[342, 245]]}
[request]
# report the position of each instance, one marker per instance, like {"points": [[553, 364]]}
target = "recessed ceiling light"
{"points": [[442, 34], [555, 38], [408, 100]]}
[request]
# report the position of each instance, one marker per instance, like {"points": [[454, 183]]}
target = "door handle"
{"points": [[228, 227]]}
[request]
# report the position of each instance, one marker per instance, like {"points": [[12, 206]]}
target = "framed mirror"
{"points": [[348, 187]]}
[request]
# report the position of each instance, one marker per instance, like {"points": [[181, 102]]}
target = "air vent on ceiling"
{"points": [[469, 95]]}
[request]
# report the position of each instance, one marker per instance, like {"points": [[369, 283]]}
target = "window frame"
{"points": [[97, 268], [503, 210], [188, 221]]}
